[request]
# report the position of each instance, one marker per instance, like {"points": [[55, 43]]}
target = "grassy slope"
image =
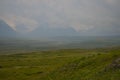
{"points": [[73, 64]]}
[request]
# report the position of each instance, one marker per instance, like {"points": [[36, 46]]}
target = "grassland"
{"points": [[65, 64]]}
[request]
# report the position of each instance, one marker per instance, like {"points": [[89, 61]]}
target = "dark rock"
{"points": [[114, 65]]}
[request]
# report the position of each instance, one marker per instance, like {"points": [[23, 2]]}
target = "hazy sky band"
{"points": [[84, 16]]}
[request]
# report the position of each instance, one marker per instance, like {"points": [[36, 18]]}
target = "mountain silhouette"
{"points": [[6, 31]]}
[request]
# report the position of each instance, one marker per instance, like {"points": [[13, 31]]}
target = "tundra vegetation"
{"points": [[64, 64]]}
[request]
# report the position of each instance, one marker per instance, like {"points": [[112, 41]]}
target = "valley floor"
{"points": [[66, 64]]}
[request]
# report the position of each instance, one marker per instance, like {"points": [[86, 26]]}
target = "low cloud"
{"points": [[15, 22]]}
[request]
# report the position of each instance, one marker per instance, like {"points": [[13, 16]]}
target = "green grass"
{"points": [[67, 64]]}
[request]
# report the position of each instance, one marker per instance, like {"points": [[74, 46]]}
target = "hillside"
{"points": [[66, 64]]}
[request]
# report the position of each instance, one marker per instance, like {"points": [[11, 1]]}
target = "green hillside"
{"points": [[67, 64]]}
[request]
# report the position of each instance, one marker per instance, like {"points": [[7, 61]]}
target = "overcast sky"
{"points": [[84, 16]]}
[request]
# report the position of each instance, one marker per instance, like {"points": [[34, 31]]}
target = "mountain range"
{"points": [[44, 31]]}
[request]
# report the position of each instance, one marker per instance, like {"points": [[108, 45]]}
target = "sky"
{"points": [[83, 16]]}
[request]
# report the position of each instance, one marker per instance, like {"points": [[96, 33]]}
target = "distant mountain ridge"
{"points": [[6, 31], [44, 31]]}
